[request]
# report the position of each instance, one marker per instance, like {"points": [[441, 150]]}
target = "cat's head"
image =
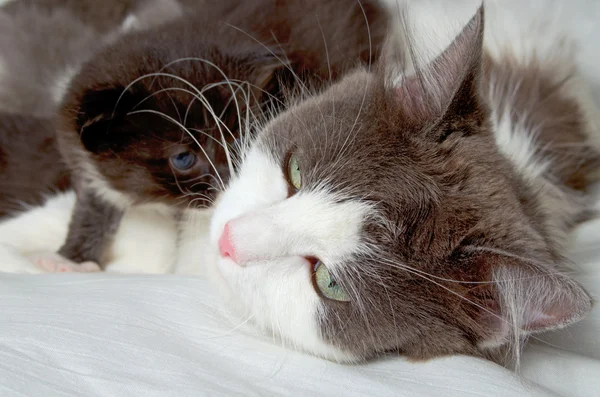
{"points": [[380, 217], [151, 115]]}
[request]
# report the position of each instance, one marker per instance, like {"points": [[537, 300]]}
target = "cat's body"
{"points": [[147, 120], [432, 215]]}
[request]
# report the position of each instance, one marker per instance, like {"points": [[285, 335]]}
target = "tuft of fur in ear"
{"points": [[524, 298], [99, 113], [425, 91]]}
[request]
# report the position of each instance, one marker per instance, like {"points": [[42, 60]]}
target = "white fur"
{"points": [[535, 32], [97, 182], [62, 83], [130, 23], [273, 232], [145, 242], [152, 13], [543, 31], [193, 248], [519, 146], [272, 235]]}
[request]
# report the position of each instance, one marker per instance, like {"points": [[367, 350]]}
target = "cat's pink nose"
{"points": [[225, 246]]}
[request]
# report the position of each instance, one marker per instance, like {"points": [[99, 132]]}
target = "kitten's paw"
{"points": [[52, 262]]}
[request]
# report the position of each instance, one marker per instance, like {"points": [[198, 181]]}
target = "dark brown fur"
{"points": [[30, 164], [42, 43]]}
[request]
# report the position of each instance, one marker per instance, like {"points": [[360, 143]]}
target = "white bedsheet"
{"points": [[124, 336]]}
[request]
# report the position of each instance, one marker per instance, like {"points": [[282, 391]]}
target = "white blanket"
{"points": [[116, 335]]}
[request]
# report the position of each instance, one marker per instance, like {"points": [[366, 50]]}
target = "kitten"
{"points": [[148, 119], [417, 209], [44, 43]]}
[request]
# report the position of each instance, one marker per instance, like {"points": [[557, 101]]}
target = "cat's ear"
{"points": [[264, 78], [523, 298], [99, 115], [427, 91]]}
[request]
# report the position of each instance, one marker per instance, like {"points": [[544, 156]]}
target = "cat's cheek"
{"points": [[259, 185]]}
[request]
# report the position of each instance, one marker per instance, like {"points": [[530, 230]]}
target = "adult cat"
{"points": [[422, 208]]}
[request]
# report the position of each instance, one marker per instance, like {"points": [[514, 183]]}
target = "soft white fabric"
{"points": [[117, 336]]}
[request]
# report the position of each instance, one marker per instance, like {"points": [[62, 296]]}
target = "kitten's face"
{"points": [[157, 129], [362, 223]]}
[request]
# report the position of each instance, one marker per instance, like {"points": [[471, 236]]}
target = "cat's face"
{"points": [[383, 212], [361, 222]]}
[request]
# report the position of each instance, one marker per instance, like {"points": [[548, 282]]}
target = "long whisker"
{"points": [[206, 61], [152, 75], [366, 82], [209, 136], [411, 271], [286, 65], [169, 118], [161, 91], [233, 92]]}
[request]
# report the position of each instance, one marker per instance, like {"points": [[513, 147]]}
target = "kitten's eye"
{"points": [[293, 171], [327, 284], [183, 161]]}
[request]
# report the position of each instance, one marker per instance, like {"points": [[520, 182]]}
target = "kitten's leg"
{"points": [[93, 225], [29, 240], [54, 263]]}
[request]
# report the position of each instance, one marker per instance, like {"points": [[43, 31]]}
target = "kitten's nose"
{"points": [[226, 248]]}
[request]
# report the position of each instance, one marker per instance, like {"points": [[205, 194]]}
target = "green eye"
{"points": [[327, 284], [294, 175]]}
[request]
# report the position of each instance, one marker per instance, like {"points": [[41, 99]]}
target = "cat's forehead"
{"points": [[326, 127], [346, 137], [353, 139]]}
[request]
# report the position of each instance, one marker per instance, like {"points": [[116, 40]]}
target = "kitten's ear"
{"points": [[447, 83], [265, 71], [265, 74], [99, 114], [524, 298]]}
